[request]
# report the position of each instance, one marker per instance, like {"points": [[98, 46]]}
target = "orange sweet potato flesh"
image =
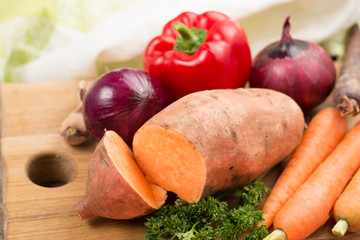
{"points": [[116, 187], [216, 140]]}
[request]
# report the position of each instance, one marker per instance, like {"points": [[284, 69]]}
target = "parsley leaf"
{"points": [[253, 193], [210, 218]]}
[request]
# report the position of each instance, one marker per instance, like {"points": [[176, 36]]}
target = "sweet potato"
{"points": [[116, 187], [216, 140]]}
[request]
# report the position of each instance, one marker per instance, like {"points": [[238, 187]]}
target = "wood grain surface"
{"points": [[30, 119]]}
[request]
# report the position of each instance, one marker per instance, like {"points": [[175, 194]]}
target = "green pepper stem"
{"points": [[340, 228], [276, 235], [189, 38]]}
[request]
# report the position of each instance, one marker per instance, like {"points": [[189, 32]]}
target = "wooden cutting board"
{"points": [[43, 177]]}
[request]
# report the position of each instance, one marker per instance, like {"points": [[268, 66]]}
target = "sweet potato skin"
{"points": [[240, 134], [108, 194]]}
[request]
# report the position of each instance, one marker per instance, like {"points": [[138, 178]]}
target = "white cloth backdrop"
{"points": [[122, 37]]}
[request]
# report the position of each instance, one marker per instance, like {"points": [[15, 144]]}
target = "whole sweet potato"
{"points": [[216, 140]]}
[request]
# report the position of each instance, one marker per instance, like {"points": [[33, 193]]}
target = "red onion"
{"points": [[122, 100], [300, 69]]}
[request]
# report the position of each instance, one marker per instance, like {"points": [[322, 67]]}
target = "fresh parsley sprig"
{"points": [[253, 193], [210, 218]]}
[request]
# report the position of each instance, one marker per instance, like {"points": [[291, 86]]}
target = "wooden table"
{"points": [[33, 153]]}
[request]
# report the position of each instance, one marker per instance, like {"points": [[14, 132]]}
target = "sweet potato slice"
{"points": [[216, 140], [116, 187]]}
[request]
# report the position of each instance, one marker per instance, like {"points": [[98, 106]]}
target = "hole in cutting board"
{"points": [[51, 170]]}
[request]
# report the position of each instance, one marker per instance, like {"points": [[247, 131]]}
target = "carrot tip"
{"points": [[276, 235], [340, 228]]}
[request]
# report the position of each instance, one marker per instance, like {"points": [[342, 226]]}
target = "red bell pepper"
{"points": [[199, 52]]}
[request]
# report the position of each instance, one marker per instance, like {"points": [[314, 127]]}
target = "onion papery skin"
{"points": [[122, 100], [300, 69]]}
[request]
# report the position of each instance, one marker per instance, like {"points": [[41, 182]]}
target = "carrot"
{"points": [[309, 207], [324, 132], [347, 208], [346, 90], [215, 140]]}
